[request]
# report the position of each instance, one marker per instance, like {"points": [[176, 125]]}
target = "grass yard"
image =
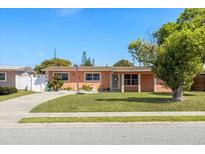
{"points": [[123, 102], [18, 94], [113, 119]]}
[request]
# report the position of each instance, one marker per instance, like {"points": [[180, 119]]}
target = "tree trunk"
{"points": [[178, 94]]}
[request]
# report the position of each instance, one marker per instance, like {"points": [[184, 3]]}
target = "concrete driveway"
{"points": [[11, 111]]}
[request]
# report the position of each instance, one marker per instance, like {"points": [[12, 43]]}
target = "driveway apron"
{"points": [[11, 111]]}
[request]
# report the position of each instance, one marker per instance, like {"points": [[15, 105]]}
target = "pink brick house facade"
{"points": [[124, 79]]}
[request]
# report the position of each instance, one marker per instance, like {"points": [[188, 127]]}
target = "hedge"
{"points": [[7, 90]]}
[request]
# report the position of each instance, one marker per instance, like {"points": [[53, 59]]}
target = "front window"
{"points": [[2, 76], [63, 76], [131, 79], [92, 77]]}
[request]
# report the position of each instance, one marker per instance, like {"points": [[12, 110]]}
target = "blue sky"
{"points": [[29, 36]]}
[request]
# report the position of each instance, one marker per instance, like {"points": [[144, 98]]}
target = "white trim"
{"points": [[155, 81], [122, 83], [61, 73], [5, 77], [118, 86], [92, 80], [139, 83]]}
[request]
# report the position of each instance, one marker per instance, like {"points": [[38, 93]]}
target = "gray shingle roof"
{"points": [[16, 68], [98, 68]]}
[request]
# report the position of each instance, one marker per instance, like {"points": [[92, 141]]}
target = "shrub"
{"points": [[106, 89], [55, 84], [86, 87], [7, 90], [12, 90], [67, 88]]}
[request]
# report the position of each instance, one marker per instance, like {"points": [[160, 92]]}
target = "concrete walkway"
{"points": [[114, 114], [12, 110]]}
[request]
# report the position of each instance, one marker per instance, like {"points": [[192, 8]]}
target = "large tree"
{"points": [[179, 52], [123, 62], [87, 61], [51, 62]]}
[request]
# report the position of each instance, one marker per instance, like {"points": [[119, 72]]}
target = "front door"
{"points": [[115, 80]]}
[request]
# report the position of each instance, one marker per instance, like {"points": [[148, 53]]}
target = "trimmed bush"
{"points": [[7, 90], [86, 87], [67, 88], [55, 84]]}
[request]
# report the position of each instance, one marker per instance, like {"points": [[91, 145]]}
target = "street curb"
{"points": [[98, 124]]}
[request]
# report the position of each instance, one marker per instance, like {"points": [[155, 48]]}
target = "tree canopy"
{"points": [[177, 53], [190, 19], [52, 62], [123, 62], [88, 62]]}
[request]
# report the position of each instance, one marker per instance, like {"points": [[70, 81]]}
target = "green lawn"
{"points": [[119, 102], [113, 119], [18, 94]]}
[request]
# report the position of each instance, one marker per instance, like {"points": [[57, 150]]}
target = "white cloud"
{"points": [[67, 12]]}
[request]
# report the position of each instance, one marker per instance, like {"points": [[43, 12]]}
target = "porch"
{"points": [[132, 82]]}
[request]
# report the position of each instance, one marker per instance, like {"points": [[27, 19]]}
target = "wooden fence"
{"points": [[199, 82]]}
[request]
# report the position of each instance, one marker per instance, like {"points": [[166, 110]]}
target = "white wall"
{"points": [[37, 83]]}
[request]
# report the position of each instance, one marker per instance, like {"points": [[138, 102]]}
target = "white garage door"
{"points": [[22, 82]]}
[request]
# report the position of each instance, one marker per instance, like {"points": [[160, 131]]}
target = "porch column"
{"points": [[122, 83], [139, 83], [118, 85], [155, 84], [110, 80]]}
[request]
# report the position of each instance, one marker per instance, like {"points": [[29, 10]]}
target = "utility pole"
{"points": [[54, 53]]}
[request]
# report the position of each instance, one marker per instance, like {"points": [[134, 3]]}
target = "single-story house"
{"points": [[124, 79], [15, 76]]}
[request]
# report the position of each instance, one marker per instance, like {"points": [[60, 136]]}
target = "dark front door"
{"points": [[115, 80]]}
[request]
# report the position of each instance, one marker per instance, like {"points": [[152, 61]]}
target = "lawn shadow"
{"points": [[162, 93], [138, 100], [170, 94]]}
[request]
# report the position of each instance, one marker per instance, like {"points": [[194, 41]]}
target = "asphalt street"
{"points": [[109, 134]]}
